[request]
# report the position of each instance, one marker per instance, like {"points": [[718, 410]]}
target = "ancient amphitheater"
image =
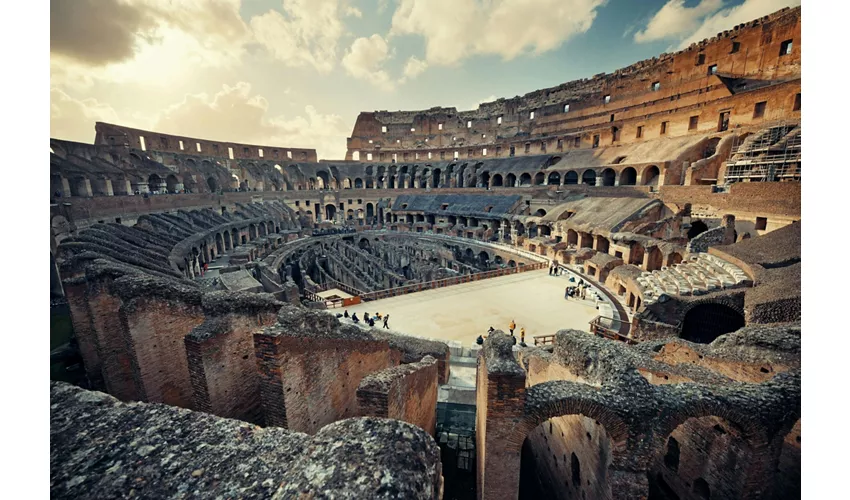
{"points": [[209, 285]]}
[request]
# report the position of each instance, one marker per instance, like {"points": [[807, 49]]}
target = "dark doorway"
{"points": [[706, 322]]}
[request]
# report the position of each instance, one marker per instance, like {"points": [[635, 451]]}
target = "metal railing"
{"points": [[466, 278]]}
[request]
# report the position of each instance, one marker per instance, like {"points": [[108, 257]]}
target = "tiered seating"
{"points": [[702, 273]]}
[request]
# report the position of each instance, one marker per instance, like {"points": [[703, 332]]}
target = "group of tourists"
{"points": [[369, 320], [555, 270], [511, 327], [577, 291]]}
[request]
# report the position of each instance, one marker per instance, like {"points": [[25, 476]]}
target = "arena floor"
{"points": [[533, 299]]}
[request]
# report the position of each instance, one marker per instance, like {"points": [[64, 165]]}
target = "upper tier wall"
{"points": [[722, 72], [146, 140]]}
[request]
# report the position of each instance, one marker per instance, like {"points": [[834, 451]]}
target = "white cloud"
{"points": [[236, 114], [414, 67], [307, 33], [352, 12], [365, 59], [705, 20], [73, 119], [674, 20], [457, 29]]}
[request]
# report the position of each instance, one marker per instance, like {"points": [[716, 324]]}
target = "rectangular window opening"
{"points": [[181, 143], [484, 152], [655, 86], [499, 120], [736, 46], [230, 153], [142, 143], [786, 47], [712, 70], [761, 223], [566, 108], [531, 115], [693, 122], [700, 59], [797, 102], [607, 99], [439, 126], [260, 152], [664, 127], [595, 141], [469, 124], [758, 110], [198, 146], [723, 121], [289, 154], [639, 132], [383, 129]]}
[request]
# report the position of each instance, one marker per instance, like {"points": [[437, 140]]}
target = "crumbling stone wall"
{"points": [[407, 392], [160, 451], [604, 381]]}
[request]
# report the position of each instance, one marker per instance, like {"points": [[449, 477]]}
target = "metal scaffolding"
{"points": [[772, 154]]}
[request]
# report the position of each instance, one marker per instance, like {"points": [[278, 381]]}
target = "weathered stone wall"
{"points": [[101, 448], [406, 392]]}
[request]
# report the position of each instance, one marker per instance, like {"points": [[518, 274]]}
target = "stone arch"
{"points": [[252, 232], [540, 212], [608, 177], [171, 183], [525, 179], [483, 259], [717, 436], [650, 176], [572, 237], [346, 183], [358, 183], [697, 227], [555, 405], [674, 258], [330, 211], [323, 180], [155, 183], [510, 180], [539, 178], [554, 179], [571, 177], [437, 178], [704, 322], [219, 244], [370, 210], [628, 177], [589, 177], [497, 180], [655, 259]]}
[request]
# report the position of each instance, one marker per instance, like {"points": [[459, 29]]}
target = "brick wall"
{"points": [[75, 293], [156, 328], [307, 383], [406, 392], [111, 335], [223, 368]]}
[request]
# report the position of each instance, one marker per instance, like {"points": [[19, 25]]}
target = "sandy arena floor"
{"points": [[533, 299]]}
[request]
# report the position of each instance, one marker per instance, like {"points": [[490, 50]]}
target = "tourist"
{"points": [[479, 340], [491, 330], [567, 292], [386, 319], [346, 313], [522, 335], [354, 318], [371, 321], [512, 326], [378, 315]]}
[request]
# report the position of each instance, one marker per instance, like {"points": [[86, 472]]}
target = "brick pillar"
{"points": [[500, 404], [116, 361], [75, 293]]}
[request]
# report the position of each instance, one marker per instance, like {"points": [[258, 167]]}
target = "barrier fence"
{"points": [[609, 328], [456, 280]]}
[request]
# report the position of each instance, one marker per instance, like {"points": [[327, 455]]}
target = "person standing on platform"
{"points": [[386, 320], [567, 292], [512, 326], [522, 335]]}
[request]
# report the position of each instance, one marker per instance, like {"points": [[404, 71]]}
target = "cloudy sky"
{"points": [[297, 72]]}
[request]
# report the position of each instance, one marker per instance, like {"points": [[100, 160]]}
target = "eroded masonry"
{"points": [[205, 284]]}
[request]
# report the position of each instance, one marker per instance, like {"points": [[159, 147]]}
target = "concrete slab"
{"points": [[334, 292], [533, 299]]}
